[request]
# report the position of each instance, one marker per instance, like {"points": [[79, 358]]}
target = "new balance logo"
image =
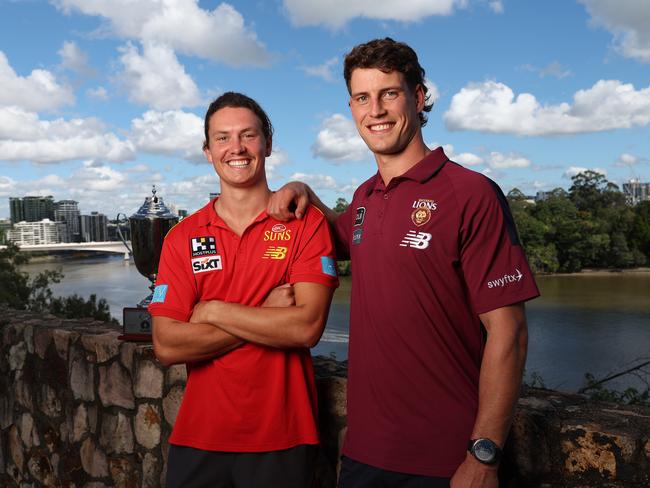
{"points": [[275, 252], [418, 240]]}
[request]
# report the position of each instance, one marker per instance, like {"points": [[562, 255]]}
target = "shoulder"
{"points": [[470, 185], [186, 226]]}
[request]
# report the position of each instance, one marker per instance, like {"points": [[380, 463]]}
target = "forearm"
{"points": [[502, 368], [182, 342], [284, 327]]}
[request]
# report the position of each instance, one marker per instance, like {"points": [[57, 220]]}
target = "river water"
{"points": [[597, 323]]}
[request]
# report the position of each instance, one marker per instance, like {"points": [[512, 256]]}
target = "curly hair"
{"points": [[388, 55]]}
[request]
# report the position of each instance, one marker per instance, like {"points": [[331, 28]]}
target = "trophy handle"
{"points": [[119, 231]]}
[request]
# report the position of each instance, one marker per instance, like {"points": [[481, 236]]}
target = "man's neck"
{"points": [[392, 165], [239, 207]]}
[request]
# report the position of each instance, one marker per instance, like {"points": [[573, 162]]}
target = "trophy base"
{"points": [[136, 324]]}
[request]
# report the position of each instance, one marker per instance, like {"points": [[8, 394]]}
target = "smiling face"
{"points": [[385, 110], [237, 148]]}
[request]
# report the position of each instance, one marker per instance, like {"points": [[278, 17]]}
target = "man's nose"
{"points": [[236, 147], [376, 107]]}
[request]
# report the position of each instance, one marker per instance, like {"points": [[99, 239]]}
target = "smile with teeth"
{"points": [[238, 163], [381, 127]]}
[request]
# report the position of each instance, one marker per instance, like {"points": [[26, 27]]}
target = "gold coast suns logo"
{"points": [[278, 232], [422, 211]]}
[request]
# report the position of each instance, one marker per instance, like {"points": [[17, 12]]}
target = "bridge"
{"points": [[116, 247]]}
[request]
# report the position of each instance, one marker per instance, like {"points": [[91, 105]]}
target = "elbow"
{"points": [[312, 334], [163, 353]]}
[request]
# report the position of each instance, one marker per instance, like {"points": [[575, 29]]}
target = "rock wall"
{"points": [[80, 408]]}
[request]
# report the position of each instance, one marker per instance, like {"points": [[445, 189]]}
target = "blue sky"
{"points": [[100, 99]]}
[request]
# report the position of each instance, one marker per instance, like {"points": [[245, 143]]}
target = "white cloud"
{"points": [[73, 58], [99, 93], [628, 21], [464, 158], [278, 157], [337, 13], [493, 107], [219, 34], [552, 69], [323, 182], [571, 171], [24, 136], [626, 159], [38, 91], [499, 160], [338, 140], [324, 71], [496, 6], [173, 133], [91, 177], [156, 78]]}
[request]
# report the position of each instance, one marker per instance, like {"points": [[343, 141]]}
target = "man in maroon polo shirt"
{"points": [[438, 331]]}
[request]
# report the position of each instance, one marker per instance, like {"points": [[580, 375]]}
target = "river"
{"points": [[597, 323]]}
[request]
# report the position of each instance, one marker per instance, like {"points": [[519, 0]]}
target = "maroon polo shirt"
{"points": [[430, 251]]}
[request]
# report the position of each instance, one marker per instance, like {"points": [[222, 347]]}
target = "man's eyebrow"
{"points": [[246, 129]]}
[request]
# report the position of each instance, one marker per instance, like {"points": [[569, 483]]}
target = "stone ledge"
{"points": [[79, 408]]}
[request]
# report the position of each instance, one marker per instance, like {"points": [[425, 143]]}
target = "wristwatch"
{"points": [[484, 450]]}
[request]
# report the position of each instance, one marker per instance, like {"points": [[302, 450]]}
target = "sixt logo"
{"points": [[418, 240], [201, 265], [506, 279], [275, 252]]}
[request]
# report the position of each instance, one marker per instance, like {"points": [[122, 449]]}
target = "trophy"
{"points": [[148, 225]]}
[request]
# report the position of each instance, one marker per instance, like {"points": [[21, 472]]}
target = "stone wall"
{"points": [[80, 408]]}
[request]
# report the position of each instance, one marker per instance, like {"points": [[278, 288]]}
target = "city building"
{"points": [[182, 213], [5, 227], [93, 227], [16, 209], [636, 192], [214, 195], [114, 235], [542, 195], [68, 211], [45, 231]]}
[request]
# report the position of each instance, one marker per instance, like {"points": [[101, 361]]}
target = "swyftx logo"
{"points": [[506, 279]]}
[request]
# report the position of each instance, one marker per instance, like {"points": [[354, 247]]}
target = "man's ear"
{"points": [[269, 146], [420, 98]]}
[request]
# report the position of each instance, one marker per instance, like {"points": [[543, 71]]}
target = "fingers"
{"points": [[301, 206]]}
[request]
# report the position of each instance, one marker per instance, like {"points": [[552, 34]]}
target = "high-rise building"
{"points": [[5, 227], [93, 227], [37, 208], [35, 233], [16, 209], [68, 211], [636, 192]]}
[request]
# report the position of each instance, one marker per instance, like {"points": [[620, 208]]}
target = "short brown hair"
{"points": [[237, 100], [388, 55]]}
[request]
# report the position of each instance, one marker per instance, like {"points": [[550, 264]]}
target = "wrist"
{"points": [[484, 451]]}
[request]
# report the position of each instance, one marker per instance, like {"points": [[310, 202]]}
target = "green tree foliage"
{"points": [[341, 205], [590, 226], [19, 291]]}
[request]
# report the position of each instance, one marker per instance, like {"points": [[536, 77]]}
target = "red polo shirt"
{"points": [[253, 398], [429, 253]]}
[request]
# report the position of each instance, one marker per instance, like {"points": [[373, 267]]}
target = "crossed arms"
{"points": [[289, 317]]}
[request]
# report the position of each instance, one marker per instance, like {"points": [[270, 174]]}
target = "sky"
{"points": [[101, 99]]}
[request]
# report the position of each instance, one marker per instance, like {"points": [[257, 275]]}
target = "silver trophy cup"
{"points": [[148, 225]]}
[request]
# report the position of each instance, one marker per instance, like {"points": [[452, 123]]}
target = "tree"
{"points": [[341, 205]]}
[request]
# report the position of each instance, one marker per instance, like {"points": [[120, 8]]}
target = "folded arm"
{"points": [[283, 327], [184, 342]]}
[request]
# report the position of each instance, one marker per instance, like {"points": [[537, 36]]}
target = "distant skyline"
{"points": [[102, 99]]}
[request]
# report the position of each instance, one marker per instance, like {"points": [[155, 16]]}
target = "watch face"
{"points": [[484, 451]]}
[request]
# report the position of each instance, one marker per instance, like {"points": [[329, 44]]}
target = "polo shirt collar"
{"points": [[209, 216], [424, 170]]}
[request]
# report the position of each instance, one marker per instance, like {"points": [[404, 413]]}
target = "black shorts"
{"points": [[358, 475], [195, 468]]}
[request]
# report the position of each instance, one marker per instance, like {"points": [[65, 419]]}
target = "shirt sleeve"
{"points": [[492, 259], [175, 294], [314, 259], [342, 230]]}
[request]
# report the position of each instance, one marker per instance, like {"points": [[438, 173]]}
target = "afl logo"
{"points": [[278, 228]]}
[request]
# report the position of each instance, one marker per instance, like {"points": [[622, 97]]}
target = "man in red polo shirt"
{"points": [[248, 416], [438, 331]]}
